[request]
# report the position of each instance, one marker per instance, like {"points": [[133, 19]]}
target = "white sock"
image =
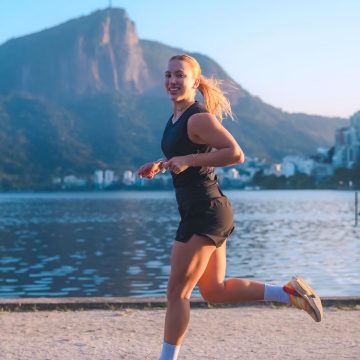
{"points": [[169, 351], [276, 293]]}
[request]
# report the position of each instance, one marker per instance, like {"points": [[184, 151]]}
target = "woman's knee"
{"points": [[211, 295], [177, 291]]}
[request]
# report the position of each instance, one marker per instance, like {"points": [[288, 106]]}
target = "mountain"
{"points": [[88, 93], [92, 54]]}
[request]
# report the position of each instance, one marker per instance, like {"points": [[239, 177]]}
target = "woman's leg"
{"points": [[215, 289], [188, 263]]}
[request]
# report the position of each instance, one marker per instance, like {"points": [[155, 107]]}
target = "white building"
{"points": [[347, 143], [273, 169], [354, 146], [232, 174], [129, 178], [99, 178], [109, 177], [73, 181], [288, 167], [292, 165]]}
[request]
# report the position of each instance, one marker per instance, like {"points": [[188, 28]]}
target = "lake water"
{"points": [[118, 243]]}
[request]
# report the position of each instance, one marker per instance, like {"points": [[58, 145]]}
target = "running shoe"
{"points": [[303, 297]]}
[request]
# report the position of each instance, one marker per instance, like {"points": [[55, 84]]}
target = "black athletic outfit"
{"points": [[203, 208]]}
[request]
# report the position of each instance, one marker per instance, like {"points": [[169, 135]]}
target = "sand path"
{"points": [[232, 333]]}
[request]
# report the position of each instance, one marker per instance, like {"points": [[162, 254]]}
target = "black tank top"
{"points": [[176, 142]]}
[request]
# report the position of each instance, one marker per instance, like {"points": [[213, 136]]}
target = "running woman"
{"points": [[194, 142]]}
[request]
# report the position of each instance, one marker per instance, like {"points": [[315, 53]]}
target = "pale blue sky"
{"points": [[301, 56]]}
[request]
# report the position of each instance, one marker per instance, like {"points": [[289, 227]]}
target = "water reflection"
{"points": [[118, 244]]}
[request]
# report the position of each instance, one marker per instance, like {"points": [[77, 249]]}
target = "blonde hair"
{"points": [[215, 100]]}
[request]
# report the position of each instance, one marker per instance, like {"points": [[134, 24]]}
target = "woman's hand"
{"points": [[178, 164], [150, 169]]}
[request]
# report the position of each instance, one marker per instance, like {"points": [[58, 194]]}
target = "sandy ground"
{"points": [[234, 333]]}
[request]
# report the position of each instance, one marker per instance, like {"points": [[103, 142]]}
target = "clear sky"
{"points": [[300, 56]]}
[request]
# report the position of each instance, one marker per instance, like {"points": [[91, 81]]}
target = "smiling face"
{"points": [[180, 83]]}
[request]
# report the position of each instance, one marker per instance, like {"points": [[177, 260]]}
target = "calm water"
{"points": [[118, 243]]}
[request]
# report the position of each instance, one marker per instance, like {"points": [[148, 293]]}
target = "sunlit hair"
{"points": [[214, 99]]}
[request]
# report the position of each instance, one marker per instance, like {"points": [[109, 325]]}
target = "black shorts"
{"points": [[206, 212]]}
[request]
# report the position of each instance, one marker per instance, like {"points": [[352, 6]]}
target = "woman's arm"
{"points": [[204, 128]]}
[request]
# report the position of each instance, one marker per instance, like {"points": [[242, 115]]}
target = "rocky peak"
{"points": [[95, 53]]}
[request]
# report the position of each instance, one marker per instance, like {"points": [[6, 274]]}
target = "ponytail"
{"points": [[215, 100]]}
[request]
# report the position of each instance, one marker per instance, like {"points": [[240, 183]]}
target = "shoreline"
{"points": [[145, 303], [155, 189]]}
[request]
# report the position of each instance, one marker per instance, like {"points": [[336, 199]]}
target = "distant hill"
{"points": [[37, 142], [88, 93]]}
